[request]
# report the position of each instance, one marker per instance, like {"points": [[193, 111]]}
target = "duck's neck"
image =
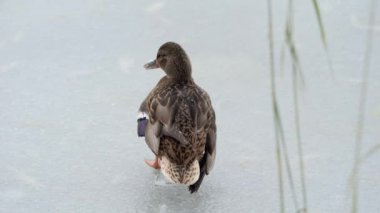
{"points": [[180, 79], [180, 71]]}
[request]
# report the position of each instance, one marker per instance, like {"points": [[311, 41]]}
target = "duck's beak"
{"points": [[151, 65]]}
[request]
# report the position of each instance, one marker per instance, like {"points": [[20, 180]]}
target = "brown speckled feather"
{"points": [[185, 107]]}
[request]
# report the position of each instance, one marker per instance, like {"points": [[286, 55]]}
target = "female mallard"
{"points": [[180, 121]]}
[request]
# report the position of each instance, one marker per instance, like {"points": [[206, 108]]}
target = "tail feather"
{"points": [[195, 186], [181, 174]]}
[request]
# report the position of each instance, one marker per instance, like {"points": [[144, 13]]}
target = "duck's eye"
{"points": [[160, 55]]}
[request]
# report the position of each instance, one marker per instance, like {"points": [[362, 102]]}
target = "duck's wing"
{"points": [[210, 149], [162, 108], [206, 121], [207, 161], [152, 136]]}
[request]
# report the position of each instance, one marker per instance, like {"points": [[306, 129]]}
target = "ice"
{"points": [[160, 180], [72, 80]]}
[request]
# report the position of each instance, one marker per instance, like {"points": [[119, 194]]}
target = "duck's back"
{"points": [[187, 108]]}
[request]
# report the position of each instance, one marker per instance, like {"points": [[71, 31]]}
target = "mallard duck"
{"points": [[178, 121]]}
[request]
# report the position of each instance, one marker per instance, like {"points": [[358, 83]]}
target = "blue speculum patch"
{"points": [[141, 126]]}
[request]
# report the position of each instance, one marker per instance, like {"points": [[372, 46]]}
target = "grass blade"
{"points": [[371, 152], [290, 42], [282, 59], [320, 22], [274, 107], [323, 35], [361, 111], [286, 156], [299, 141]]}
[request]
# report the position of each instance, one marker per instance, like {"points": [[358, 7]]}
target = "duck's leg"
{"points": [[155, 164]]}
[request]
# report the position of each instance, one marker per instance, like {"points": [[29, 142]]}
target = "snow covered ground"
{"points": [[71, 80]]}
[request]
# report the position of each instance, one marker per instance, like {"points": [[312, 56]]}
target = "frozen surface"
{"points": [[71, 80]]}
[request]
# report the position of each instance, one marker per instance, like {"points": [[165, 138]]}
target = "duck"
{"points": [[178, 121]]}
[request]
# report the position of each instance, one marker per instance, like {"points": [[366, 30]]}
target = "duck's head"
{"points": [[173, 60]]}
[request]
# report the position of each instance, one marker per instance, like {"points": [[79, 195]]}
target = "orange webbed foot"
{"points": [[155, 164]]}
